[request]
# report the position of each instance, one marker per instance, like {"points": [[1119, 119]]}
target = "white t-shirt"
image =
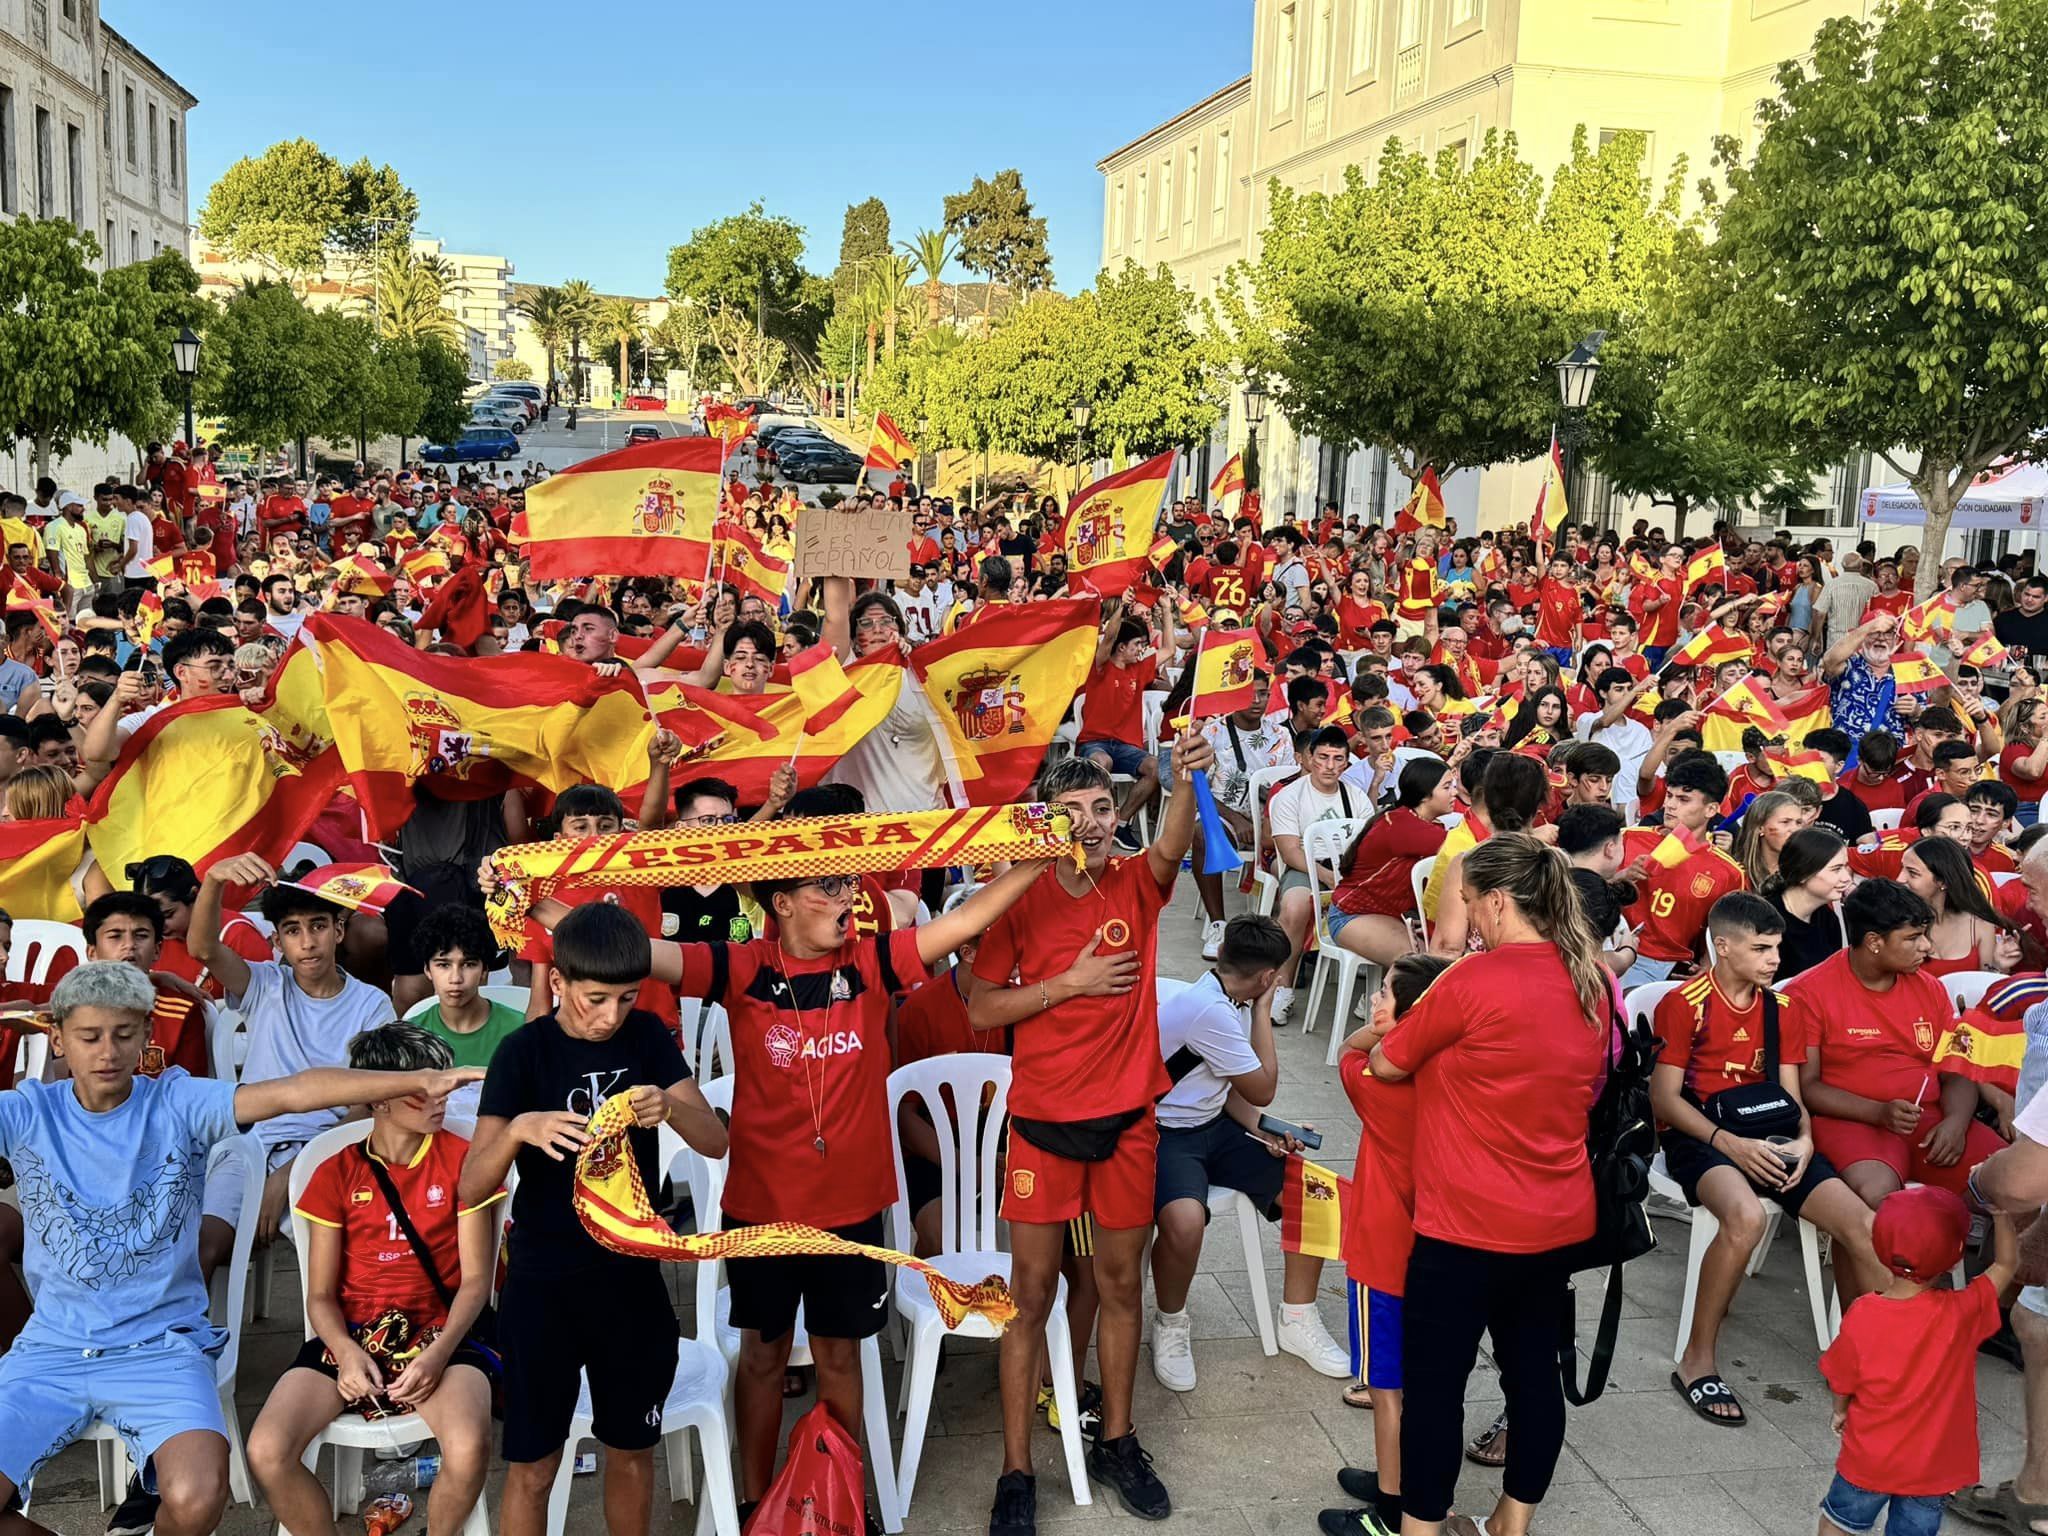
{"points": [[1301, 805], [290, 1032], [897, 766], [286, 624], [1359, 774], [138, 530], [921, 614], [1630, 741], [1201, 1020]]}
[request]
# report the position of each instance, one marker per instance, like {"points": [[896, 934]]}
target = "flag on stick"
{"points": [[1312, 1201]]}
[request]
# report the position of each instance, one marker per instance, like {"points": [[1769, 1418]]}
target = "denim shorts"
{"points": [[1855, 1510], [1338, 917], [1123, 757]]}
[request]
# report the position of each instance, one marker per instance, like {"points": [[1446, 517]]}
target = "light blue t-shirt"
{"points": [[110, 1206], [14, 677]]}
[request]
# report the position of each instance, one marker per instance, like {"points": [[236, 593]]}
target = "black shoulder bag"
{"points": [[1621, 1138], [483, 1333], [1756, 1110]]}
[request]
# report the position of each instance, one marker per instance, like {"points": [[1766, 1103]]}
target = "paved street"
{"points": [[1256, 1446]]}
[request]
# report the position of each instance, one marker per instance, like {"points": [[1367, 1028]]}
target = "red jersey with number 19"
{"points": [[1087, 1056], [1676, 901]]}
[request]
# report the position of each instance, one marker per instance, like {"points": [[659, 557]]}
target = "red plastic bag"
{"points": [[820, 1490]]}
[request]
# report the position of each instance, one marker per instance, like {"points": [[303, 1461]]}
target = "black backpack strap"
{"points": [[1770, 1035], [1604, 1339], [420, 1250]]}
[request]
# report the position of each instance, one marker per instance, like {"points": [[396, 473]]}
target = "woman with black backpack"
{"points": [[1508, 1049]]}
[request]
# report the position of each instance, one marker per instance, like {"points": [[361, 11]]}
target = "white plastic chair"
{"points": [[301, 852], [1323, 845], [1967, 988], [968, 1210], [1886, 821], [1641, 1006], [37, 943], [223, 1059], [32, 1057], [1418, 882], [350, 1433], [244, 1152], [706, 1027], [1265, 884]]}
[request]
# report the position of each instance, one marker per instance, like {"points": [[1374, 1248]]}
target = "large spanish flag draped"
{"points": [[474, 726], [37, 861], [642, 510], [748, 566], [209, 777], [1110, 524], [745, 739], [1003, 685], [888, 448]]}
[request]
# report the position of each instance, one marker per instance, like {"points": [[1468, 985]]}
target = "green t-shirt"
{"points": [[476, 1048]]}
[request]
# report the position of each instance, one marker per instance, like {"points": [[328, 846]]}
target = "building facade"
{"points": [[147, 195], [1333, 80]]}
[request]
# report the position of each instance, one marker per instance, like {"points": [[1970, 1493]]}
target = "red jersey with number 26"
{"points": [[1675, 902], [1087, 1056]]}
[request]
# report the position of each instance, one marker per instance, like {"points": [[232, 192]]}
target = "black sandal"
{"points": [[1704, 1393], [1478, 1452]]}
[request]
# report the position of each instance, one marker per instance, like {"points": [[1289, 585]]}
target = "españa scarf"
{"points": [[611, 1202], [801, 849]]}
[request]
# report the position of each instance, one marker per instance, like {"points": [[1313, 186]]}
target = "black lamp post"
{"points": [[1576, 375], [1254, 419], [1083, 413], [185, 358]]}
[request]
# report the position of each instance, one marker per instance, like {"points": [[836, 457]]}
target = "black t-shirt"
{"points": [[691, 918], [540, 1067], [1847, 815], [1021, 552], [2021, 633], [1807, 942]]}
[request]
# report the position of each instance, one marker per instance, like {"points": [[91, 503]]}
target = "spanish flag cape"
{"points": [[611, 1201], [37, 861]]}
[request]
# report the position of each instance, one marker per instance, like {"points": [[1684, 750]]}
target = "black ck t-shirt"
{"points": [[540, 1067]]}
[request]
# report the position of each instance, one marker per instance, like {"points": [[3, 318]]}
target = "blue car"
{"points": [[476, 445]]}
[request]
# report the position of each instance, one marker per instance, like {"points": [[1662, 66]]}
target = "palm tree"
{"points": [[889, 297], [410, 286], [542, 308], [929, 252], [620, 319], [579, 316]]}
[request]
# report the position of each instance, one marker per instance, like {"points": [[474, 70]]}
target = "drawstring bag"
{"points": [[820, 1489]]}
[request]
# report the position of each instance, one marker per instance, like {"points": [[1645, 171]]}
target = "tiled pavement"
{"points": [[1255, 1447]]}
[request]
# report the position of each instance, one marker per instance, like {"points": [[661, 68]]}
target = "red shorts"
{"points": [[1043, 1188], [1843, 1142]]}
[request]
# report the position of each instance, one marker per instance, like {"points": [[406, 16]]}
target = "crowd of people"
{"points": [[1538, 845]]}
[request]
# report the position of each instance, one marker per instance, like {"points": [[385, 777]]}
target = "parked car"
{"points": [[528, 406], [821, 471], [477, 445], [524, 388], [641, 432], [645, 403], [508, 414]]}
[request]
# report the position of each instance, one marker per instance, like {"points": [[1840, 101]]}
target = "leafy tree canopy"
{"points": [[999, 236], [864, 237], [287, 207], [744, 259]]}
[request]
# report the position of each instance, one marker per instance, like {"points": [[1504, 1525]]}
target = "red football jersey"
{"points": [[1675, 902], [1716, 1044], [1877, 1044]]}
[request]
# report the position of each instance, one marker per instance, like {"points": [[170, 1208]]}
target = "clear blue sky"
{"points": [[584, 140]]}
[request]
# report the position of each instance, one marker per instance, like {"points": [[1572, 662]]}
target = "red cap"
{"points": [[1919, 1232]]}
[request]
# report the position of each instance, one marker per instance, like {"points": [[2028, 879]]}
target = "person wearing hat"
{"points": [[1904, 1369], [72, 541]]}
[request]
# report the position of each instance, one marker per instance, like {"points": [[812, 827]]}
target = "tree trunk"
{"points": [[889, 333], [1939, 485], [302, 456], [403, 440], [870, 378], [39, 454], [931, 304]]}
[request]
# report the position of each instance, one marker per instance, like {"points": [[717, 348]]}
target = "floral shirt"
{"points": [[1865, 702]]}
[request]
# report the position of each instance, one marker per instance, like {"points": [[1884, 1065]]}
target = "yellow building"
{"points": [[1332, 80]]}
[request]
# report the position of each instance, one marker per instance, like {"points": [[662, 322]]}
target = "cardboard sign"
{"points": [[871, 545]]}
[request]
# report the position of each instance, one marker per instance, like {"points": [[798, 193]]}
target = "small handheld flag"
{"points": [[1913, 673], [1679, 844], [1425, 508], [1708, 566]]}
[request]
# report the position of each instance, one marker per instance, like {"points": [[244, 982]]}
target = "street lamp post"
{"points": [[1576, 375], [1254, 419], [1083, 413], [185, 358]]}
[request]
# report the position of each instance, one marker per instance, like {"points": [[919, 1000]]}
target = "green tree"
{"points": [[1421, 312], [889, 296], [620, 319], [444, 386], [999, 236], [173, 292], [863, 237], [511, 371], [81, 355], [929, 252], [751, 264], [681, 337], [407, 298], [267, 369], [1153, 370], [288, 207], [542, 309], [1875, 276]]}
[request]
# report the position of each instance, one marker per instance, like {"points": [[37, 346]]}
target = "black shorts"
{"points": [[842, 1297], [614, 1322], [1218, 1155], [312, 1356], [1688, 1161], [923, 1181]]}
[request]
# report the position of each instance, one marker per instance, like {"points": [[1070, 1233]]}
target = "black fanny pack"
{"points": [[1756, 1110], [1078, 1141]]}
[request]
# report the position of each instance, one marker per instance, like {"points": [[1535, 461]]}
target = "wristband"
{"points": [[1716, 1131]]}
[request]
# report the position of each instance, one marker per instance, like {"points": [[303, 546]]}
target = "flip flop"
{"points": [[1357, 1395], [1479, 1456], [1704, 1393], [1998, 1506]]}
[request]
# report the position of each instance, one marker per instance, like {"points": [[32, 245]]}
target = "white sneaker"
{"points": [[1283, 1004], [1212, 938], [1307, 1338], [1173, 1352]]}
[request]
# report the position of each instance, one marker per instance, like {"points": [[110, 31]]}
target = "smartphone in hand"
{"points": [[1281, 1129]]}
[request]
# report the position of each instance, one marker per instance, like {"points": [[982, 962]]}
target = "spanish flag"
{"points": [[747, 564], [37, 861], [206, 778], [1923, 621], [1229, 479], [1425, 508], [745, 739], [1914, 673], [1001, 687], [1551, 510], [1710, 565], [425, 565], [643, 510], [888, 448], [473, 726], [1312, 1201], [1984, 1047], [1709, 648], [1798, 765], [1226, 665], [363, 576], [1110, 525], [1723, 721], [822, 685], [1987, 652], [1806, 712], [149, 618], [1678, 845], [728, 424]]}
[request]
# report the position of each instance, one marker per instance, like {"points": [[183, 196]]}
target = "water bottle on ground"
{"points": [[401, 1476]]}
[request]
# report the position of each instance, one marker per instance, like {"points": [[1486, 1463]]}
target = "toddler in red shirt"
{"points": [[1904, 1369]]}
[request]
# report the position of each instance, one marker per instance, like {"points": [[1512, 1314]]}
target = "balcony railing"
{"points": [[1408, 73]]}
